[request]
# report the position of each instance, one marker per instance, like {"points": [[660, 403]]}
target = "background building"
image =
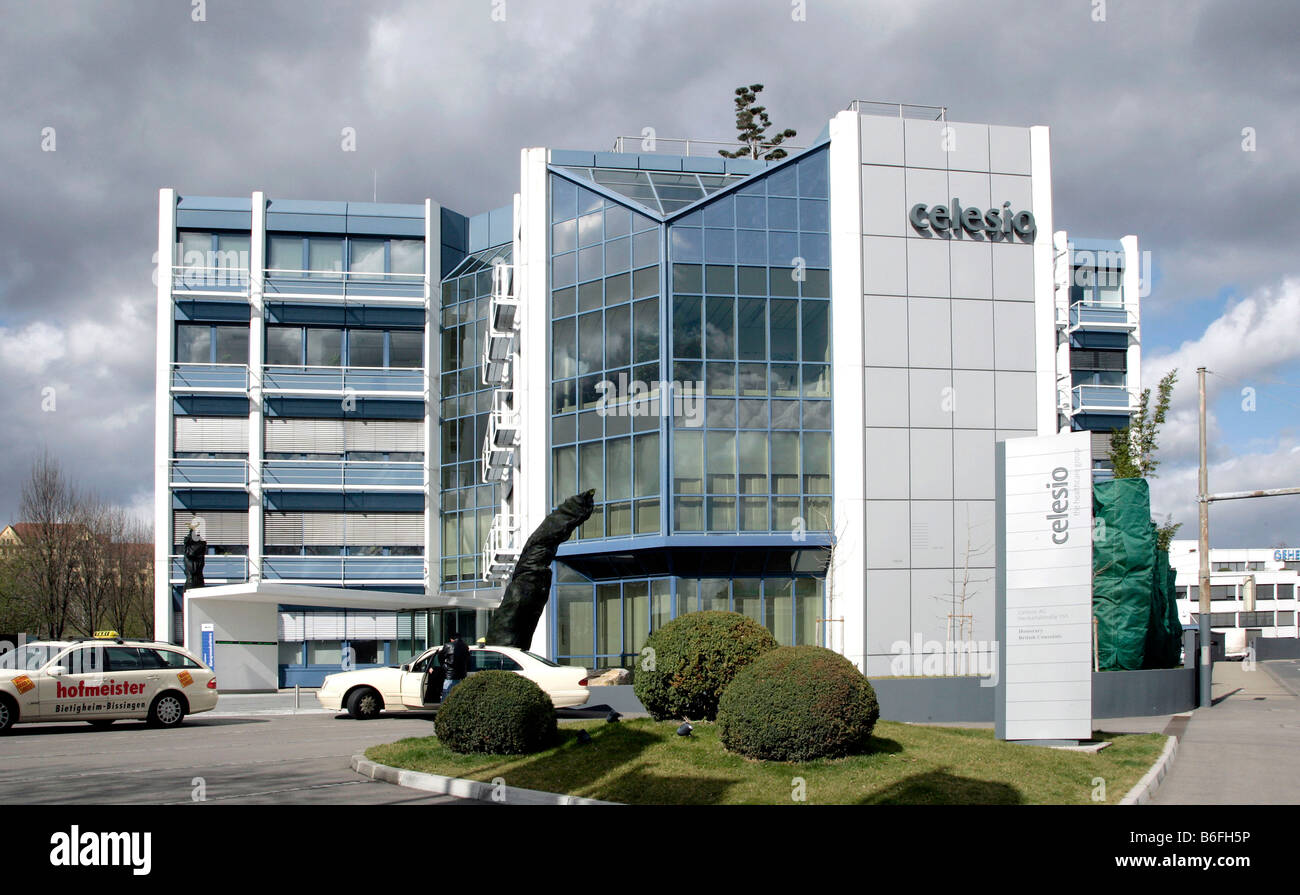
{"points": [[1099, 360], [1276, 575], [783, 379]]}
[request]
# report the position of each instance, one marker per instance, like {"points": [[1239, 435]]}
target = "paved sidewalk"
{"points": [[1242, 749], [281, 703]]}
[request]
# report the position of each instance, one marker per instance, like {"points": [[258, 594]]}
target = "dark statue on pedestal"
{"points": [[529, 588], [195, 549]]}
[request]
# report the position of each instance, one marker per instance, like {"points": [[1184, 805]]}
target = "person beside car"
{"points": [[455, 662]]}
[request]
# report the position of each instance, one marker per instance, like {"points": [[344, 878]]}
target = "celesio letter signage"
{"points": [[995, 223]]}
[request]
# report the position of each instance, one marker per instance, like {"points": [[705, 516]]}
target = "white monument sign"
{"points": [[1044, 588]]}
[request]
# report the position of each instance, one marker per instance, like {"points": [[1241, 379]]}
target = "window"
{"points": [[491, 660], [405, 348], [365, 348], [283, 346], [365, 652], [329, 256], [205, 343], [324, 256], [88, 660], [221, 257], [366, 255], [289, 345], [171, 659], [324, 347], [124, 658]]}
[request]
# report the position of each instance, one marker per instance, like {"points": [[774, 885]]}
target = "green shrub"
{"points": [[496, 712], [694, 658], [797, 703]]}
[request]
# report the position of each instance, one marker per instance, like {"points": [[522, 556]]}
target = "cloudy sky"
{"points": [[1148, 102]]}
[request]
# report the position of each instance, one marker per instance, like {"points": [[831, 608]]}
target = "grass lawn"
{"points": [[641, 761]]}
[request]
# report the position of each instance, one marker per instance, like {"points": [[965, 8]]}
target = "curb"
{"points": [[464, 789], [1145, 788]]}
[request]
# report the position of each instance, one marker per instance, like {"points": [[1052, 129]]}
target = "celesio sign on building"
{"points": [[995, 222]]}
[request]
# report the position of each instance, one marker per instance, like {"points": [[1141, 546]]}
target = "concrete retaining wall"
{"points": [[1115, 694], [1277, 648]]}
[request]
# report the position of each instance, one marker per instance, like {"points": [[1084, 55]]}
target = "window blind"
{"points": [[211, 434]]}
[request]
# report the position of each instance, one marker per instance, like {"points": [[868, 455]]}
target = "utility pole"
{"points": [[1204, 499], [1203, 550]]}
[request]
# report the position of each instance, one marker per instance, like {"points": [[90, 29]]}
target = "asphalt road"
{"points": [[253, 760]]}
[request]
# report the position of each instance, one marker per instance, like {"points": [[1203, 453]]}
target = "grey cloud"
{"points": [[1146, 111]]}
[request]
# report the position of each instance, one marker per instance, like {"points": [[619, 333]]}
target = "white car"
{"points": [[366, 693], [102, 681]]}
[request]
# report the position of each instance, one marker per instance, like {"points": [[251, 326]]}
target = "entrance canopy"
{"points": [[288, 593]]}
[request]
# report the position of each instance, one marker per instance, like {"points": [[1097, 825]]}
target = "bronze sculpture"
{"points": [[529, 587], [195, 551]]}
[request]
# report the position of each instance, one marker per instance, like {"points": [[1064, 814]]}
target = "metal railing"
{"points": [[407, 382], [227, 279], [343, 284], [203, 472], [187, 377], [361, 475], [343, 568], [501, 438], [1103, 315], [1103, 398], [503, 318], [501, 547], [684, 145], [898, 110], [216, 569]]}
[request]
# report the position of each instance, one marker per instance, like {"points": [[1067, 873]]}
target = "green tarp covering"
{"points": [[1164, 631], [1133, 598], [1123, 572]]}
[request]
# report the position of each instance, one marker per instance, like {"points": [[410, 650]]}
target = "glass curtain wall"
{"points": [[467, 503], [605, 427], [605, 624], [751, 324]]}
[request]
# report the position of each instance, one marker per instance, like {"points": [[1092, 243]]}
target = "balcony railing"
{"points": [[688, 146], [217, 378], [501, 438], [206, 473], [216, 569], [219, 280], [342, 285], [344, 568], [1114, 316], [348, 475], [1103, 399], [390, 382], [501, 548], [898, 110]]}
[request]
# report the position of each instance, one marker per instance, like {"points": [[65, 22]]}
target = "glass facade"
{"points": [[605, 624], [467, 503], [605, 353], [750, 320], [691, 388]]}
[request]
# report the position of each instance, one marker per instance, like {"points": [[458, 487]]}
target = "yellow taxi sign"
{"points": [[107, 635]]}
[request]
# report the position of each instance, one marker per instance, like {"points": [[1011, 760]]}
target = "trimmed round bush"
{"points": [[694, 657], [496, 712], [797, 703]]}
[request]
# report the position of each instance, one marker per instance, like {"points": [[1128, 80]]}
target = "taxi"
{"points": [[101, 680]]}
